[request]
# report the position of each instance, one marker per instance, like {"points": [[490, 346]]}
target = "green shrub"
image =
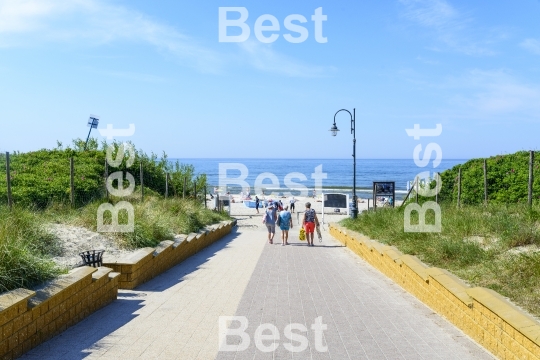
{"points": [[41, 178], [481, 244], [508, 178], [26, 248]]}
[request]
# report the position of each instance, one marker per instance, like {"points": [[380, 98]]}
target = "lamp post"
{"points": [[334, 129]]}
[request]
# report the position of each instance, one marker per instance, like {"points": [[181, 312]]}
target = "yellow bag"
{"points": [[302, 235]]}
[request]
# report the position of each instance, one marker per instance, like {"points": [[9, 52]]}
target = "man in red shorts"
{"points": [[310, 220]]}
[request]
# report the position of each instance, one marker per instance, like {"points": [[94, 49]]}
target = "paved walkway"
{"points": [[175, 316]]}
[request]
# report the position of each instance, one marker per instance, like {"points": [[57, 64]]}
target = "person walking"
{"points": [[310, 220], [292, 201], [257, 204], [285, 223], [270, 218]]}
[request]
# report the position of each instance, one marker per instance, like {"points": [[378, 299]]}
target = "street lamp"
{"points": [[334, 129]]}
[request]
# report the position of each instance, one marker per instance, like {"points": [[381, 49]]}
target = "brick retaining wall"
{"points": [[481, 313]]}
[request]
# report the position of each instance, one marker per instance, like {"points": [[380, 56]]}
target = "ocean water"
{"points": [[339, 172]]}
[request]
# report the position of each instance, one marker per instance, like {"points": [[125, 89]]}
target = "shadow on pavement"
{"points": [[75, 342], [82, 339], [177, 273]]}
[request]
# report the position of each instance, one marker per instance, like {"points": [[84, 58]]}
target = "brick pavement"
{"points": [[175, 316]]}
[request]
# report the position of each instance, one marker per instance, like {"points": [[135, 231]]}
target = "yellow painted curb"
{"points": [[481, 313]]}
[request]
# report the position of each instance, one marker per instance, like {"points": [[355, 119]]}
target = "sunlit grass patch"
{"points": [[494, 246]]}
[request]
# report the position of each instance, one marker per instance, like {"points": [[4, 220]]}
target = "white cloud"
{"points": [[264, 58], [496, 93], [97, 22], [91, 22], [431, 13], [132, 76], [451, 29], [533, 45]]}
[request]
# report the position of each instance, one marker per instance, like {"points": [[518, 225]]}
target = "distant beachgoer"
{"points": [[270, 218], [310, 220], [292, 201], [257, 204], [314, 194], [285, 223]]}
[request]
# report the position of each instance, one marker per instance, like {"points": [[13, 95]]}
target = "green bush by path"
{"points": [[508, 178], [482, 245], [26, 248], [40, 178]]}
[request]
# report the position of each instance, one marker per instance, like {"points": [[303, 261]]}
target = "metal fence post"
{"points": [[485, 183], [142, 182], [531, 176], [72, 180], [8, 178], [417, 185], [166, 185], [106, 177], [184, 188], [459, 188], [437, 193]]}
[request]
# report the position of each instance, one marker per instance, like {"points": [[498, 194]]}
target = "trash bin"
{"points": [[92, 258]]}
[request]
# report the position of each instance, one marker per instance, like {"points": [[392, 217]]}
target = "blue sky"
{"points": [[472, 66]]}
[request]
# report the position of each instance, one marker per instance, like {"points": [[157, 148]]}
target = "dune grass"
{"points": [[489, 246], [156, 219], [26, 248]]}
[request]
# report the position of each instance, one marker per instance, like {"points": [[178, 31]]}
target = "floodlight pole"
{"points": [[87, 138], [93, 123], [334, 129]]}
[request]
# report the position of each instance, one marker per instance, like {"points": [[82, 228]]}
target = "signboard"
{"points": [[335, 201], [385, 190], [222, 201], [93, 121]]}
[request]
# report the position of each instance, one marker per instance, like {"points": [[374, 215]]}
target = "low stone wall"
{"points": [[147, 263], [481, 313], [28, 318]]}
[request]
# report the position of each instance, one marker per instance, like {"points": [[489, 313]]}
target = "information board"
{"points": [[385, 190], [335, 200]]}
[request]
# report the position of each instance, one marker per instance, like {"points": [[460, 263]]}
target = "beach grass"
{"points": [[26, 248], [156, 219], [494, 246]]}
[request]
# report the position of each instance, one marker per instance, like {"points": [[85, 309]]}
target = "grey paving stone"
{"points": [[366, 314]]}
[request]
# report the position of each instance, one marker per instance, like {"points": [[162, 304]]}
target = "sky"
{"points": [[471, 66]]}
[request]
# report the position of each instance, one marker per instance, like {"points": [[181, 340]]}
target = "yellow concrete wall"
{"points": [[483, 314], [28, 318], [147, 263]]}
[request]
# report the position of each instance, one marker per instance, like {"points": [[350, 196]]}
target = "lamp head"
{"points": [[334, 129]]}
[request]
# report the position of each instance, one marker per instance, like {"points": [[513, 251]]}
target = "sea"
{"points": [[339, 174]]}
